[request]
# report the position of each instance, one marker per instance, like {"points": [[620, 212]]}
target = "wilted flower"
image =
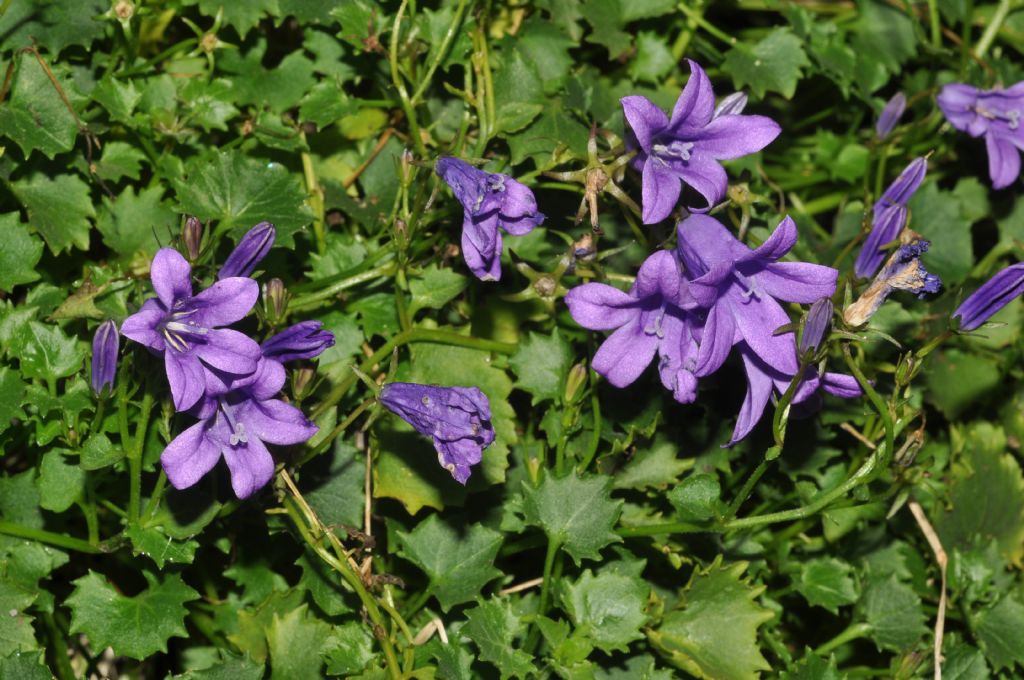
{"points": [[992, 296], [458, 419], [490, 203], [891, 114], [889, 217], [104, 356], [816, 326], [249, 252], [688, 146], [996, 114], [651, 317], [902, 271], [184, 328]]}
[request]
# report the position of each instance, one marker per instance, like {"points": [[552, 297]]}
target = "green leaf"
{"points": [[813, 667], [654, 466], [986, 496], [697, 497], [609, 607], [12, 389], [348, 649], [278, 89], [577, 513], [653, 58], [240, 192], [547, 46], [243, 15], [827, 582], [1000, 632], [555, 127], [541, 364], [514, 116], [713, 633], [458, 561], [956, 380], [34, 115], [25, 666], [119, 160], [493, 626], [324, 585], [48, 353], [325, 104], [936, 215], [771, 65], [606, 23], [963, 662], [893, 610], [294, 641], [137, 224], [119, 98], [60, 483], [183, 514], [59, 208], [333, 483], [359, 19], [134, 626], [885, 33], [253, 622], [229, 667], [435, 288], [99, 452], [16, 632], [20, 254], [159, 547], [53, 24]]}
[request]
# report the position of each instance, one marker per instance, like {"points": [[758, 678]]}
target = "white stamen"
{"points": [[185, 328], [676, 149]]}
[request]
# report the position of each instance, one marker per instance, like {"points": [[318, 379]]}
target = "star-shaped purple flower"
{"points": [[889, 217], [458, 419], [491, 203], [184, 328], [994, 114], [688, 146], [652, 317]]}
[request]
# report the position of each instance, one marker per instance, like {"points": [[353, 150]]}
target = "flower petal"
{"points": [[659, 276], [759, 389], [142, 325], [228, 351], [645, 119], [600, 307], [957, 101], [625, 354], [481, 247], [171, 276], [185, 375], [704, 242], [225, 302], [190, 456], [696, 103], [757, 318], [801, 282], [705, 175], [841, 385], [661, 189], [729, 137], [888, 224], [778, 244], [517, 201], [275, 422], [1003, 161], [678, 353], [719, 336], [251, 467]]}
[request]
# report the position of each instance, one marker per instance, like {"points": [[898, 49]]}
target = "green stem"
{"points": [[992, 29], [301, 302], [48, 537], [58, 648], [315, 196], [154, 500], [545, 590], [876, 400], [135, 459], [446, 42], [698, 18], [665, 528], [933, 15], [853, 632], [396, 79], [748, 487]]}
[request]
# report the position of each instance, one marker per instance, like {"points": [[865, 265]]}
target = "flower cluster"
{"points": [[994, 115], [221, 376]]}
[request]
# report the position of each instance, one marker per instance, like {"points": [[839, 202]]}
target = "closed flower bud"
{"points": [[575, 381], [890, 115], [104, 356], [249, 252], [993, 295], [304, 340], [275, 299], [816, 325], [192, 236], [731, 105], [302, 382]]}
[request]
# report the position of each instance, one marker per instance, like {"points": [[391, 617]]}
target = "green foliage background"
{"points": [[658, 560]]}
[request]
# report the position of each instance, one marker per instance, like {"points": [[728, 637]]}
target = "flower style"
{"points": [[994, 114], [688, 146], [185, 328], [891, 114], [238, 426], [249, 252], [652, 317], [104, 356], [490, 202], [889, 217], [458, 419], [902, 271], [992, 296]]}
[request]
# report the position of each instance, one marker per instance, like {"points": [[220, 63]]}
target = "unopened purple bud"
{"points": [[458, 419], [816, 326], [992, 296], [104, 356], [192, 236], [890, 115], [304, 340], [732, 105], [275, 299], [249, 252]]}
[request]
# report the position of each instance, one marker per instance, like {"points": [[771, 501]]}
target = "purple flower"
{"points": [[688, 146], [104, 356], [458, 419], [184, 328], [489, 202], [249, 252], [819, 318], [996, 114], [651, 317], [238, 426], [992, 296], [889, 217], [741, 287], [902, 271], [890, 115], [304, 340]]}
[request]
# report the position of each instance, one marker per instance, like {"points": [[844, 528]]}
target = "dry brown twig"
{"points": [[941, 559]]}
